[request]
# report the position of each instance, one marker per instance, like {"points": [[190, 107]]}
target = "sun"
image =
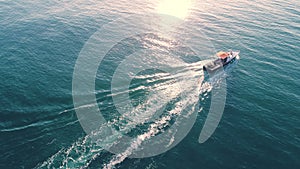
{"points": [[177, 8]]}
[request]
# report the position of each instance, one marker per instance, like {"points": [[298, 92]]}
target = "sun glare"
{"points": [[177, 8]]}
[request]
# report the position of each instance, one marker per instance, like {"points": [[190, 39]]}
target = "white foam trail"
{"points": [[153, 130], [84, 151]]}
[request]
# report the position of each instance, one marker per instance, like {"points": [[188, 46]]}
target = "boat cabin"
{"points": [[223, 56]]}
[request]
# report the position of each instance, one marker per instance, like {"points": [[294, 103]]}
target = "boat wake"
{"points": [[86, 150]]}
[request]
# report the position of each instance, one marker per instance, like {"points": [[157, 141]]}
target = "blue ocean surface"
{"points": [[41, 41]]}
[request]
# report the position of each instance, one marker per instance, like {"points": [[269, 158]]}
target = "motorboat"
{"points": [[223, 59]]}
